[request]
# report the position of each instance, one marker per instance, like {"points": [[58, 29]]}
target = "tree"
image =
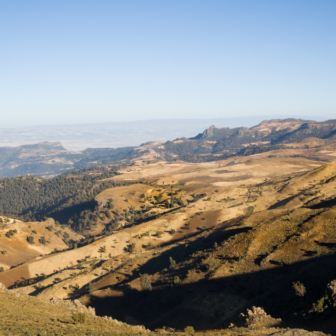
{"points": [[300, 289], [130, 248], [30, 240], [172, 263], [145, 282], [42, 240], [102, 249], [213, 264], [176, 280], [90, 287], [172, 232]]}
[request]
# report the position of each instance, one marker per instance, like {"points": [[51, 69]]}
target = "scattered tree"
{"points": [[172, 263], [300, 289], [30, 240], [145, 282]]}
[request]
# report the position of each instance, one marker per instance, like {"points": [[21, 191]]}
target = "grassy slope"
{"points": [[289, 237]]}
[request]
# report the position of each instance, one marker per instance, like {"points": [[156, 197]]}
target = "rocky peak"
{"points": [[209, 132]]}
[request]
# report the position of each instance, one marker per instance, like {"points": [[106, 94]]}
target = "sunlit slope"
{"points": [[24, 241], [253, 220]]}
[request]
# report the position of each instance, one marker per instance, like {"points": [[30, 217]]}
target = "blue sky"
{"points": [[64, 62]]}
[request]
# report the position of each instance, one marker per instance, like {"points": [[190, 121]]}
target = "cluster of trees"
{"points": [[68, 198], [10, 233]]}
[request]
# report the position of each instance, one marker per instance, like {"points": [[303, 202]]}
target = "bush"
{"points": [[30, 240], [79, 318], [319, 306], [172, 232], [172, 262], [189, 330], [90, 287], [300, 289], [145, 282], [102, 249], [176, 280], [10, 233], [42, 240], [130, 248], [1, 269], [213, 264], [249, 210]]}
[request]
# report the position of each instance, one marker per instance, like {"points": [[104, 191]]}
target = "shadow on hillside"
{"points": [[65, 214], [323, 204], [283, 202], [215, 303]]}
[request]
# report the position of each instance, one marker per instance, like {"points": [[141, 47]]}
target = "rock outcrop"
{"points": [[257, 319]]}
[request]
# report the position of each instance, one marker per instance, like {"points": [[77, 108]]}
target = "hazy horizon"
{"points": [[77, 137]]}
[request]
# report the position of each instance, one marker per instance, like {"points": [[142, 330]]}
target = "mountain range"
{"points": [[47, 159]]}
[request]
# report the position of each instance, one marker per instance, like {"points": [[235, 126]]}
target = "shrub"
{"points": [[176, 280], [1, 269], [10, 233], [102, 249], [149, 246], [172, 262], [300, 289], [3, 252], [42, 240], [50, 227], [30, 240], [319, 307], [189, 330], [172, 231], [249, 210], [213, 264], [34, 231], [130, 248], [79, 318], [145, 282], [90, 287]]}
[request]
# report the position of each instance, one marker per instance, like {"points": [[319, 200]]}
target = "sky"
{"points": [[71, 62]]}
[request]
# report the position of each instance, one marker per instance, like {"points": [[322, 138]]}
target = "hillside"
{"points": [[21, 242], [215, 239], [58, 317], [220, 143], [48, 159]]}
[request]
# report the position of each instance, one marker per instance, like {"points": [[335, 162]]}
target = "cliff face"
{"points": [[208, 132]]}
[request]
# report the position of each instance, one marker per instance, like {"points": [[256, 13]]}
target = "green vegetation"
{"points": [[249, 210], [172, 263], [189, 330], [145, 282], [300, 289], [30, 240], [10, 233], [68, 198], [79, 317]]}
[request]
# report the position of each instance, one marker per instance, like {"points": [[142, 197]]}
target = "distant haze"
{"points": [[122, 134]]}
